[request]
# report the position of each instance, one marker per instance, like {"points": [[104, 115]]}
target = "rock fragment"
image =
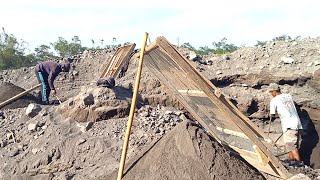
{"points": [[84, 126], [32, 110], [33, 126], [81, 141], [218, 72], [287, 60], [88, 99]]}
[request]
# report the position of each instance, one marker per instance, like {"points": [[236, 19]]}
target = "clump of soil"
{"points": [[187, 152], [8, 90]]}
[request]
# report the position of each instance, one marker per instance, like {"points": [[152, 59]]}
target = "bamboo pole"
{"points": [[18, 96], [132, 108]]}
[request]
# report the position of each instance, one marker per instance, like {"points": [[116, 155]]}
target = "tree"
{"points": [[204, 50], [75, 46], [61, 46], [64, 48], [43, 52], [222, 47], [188, 45], [12, 52]]}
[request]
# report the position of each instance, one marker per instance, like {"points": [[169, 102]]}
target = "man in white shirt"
{"points": [[290, 121]]}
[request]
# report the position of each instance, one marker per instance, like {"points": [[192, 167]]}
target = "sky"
{"points": [[199, 22]]}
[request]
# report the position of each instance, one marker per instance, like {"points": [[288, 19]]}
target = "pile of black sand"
{"points": [[188, 153], [8, 90]]}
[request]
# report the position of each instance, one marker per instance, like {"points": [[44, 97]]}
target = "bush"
{"points": [[220, 47]]}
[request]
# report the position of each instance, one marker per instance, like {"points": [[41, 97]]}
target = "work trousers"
{"points": [[45, 88]]}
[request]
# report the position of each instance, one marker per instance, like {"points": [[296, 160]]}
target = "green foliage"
{"points": [[278, 38], [75, 46], [282, 38], [61, 46], [65, 48], [202, 51], [221, 47], [188, 45], [12, 52], [261, 43], [43, 52]]}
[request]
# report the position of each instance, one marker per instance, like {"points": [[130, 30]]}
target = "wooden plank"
{"points": [[231, 132], [192, 92], [181, 99], [200, 105], [244, 152], [118, 61], [108, 65], [252, 158], [124, 60], [181, 81], [174, 73], [252, 132], [263, 159], [204, 83], [151, 47], [156, 68], [234, 133]]}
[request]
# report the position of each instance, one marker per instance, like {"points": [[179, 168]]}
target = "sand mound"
{"points": [[8, 90], [188, 153]]}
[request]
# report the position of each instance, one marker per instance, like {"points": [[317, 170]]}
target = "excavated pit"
{"points": [[256, 107], [255, 82]]}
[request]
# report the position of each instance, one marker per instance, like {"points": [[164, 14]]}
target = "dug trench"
{"points": [[249, 93]]}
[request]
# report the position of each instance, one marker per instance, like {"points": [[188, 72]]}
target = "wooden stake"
{"points": [[132, 108], [18, 96]]}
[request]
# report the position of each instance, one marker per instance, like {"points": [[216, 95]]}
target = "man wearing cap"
{"points": [[46, 73], [290, 121]]}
